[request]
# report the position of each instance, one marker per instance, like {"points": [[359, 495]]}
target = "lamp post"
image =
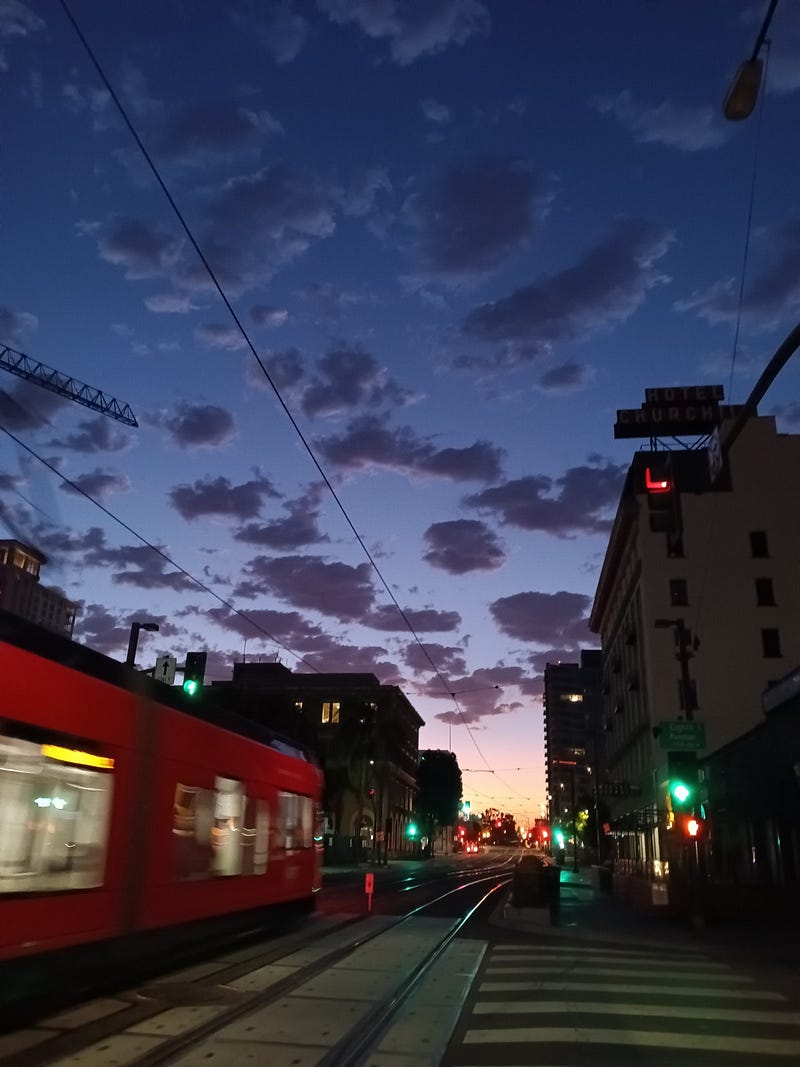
{"points": [[684, 655], [133, 641]]}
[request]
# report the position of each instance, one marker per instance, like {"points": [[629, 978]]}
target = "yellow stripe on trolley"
{"points": [[74, 755]]}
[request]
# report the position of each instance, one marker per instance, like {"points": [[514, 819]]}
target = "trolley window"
{"points": [[55, 807], [219, 832]]}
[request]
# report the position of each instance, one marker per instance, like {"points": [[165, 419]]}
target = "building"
{"points": [[727, 577], [22, 594], [367, 737], [573, 738], [752, 795]]}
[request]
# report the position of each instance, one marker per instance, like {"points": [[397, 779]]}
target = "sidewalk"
{"points": [[588, 914]]}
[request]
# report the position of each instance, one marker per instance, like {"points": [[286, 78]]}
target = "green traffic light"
{"points": [[412, 830], [680, 791], [191, 686]]}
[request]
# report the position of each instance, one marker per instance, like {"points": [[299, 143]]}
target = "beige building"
{"points": [[22, 594], [733, 577]]}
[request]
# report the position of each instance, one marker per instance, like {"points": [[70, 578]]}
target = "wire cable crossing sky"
{"points": [[456, 236]]}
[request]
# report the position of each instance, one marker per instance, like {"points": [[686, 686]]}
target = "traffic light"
{"points": [[683, 781], [194, 672], [663, 501], [692, 826], [411, 830]]}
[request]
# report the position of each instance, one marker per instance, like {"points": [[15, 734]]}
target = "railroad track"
{"points": [[335, 992]]}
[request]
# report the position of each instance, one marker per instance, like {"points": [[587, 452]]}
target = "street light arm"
{"points": [[762, 33], [768, 376]]}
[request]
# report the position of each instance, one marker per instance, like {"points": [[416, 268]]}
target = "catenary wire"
{"points": [[246, 337], [149, 544]]}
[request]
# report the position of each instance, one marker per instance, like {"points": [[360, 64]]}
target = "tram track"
{"points": [[218, 1000]]}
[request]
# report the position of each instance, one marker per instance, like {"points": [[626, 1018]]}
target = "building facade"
{"points": [[367, 738], [731, 580], [573, 738], [22, 594]]}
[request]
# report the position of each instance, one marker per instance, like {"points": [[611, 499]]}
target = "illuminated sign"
{"points": [[689, 409], [74, 755]]}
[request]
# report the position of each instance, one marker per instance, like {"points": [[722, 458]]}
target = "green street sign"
{"points": [[682, 736]]}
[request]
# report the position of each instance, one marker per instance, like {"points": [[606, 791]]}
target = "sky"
{"points": [[459, 235]]}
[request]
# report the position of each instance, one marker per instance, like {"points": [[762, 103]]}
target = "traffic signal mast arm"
{"points": [[48, 378]]}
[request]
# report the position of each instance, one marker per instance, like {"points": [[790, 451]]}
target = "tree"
{"points": [[439, 781]]}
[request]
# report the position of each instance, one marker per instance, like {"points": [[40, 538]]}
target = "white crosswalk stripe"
{"points": [[583, 1004]]}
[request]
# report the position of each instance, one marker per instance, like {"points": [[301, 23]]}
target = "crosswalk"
{"points": [[565, 1004]]}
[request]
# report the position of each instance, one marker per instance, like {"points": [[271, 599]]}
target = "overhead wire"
{"points": [[149, 544], [251, 347]]}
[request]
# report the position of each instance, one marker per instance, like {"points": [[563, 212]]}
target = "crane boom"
{"points": [[40, 374]]}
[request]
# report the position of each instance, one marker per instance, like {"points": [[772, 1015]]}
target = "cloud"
{"points": [[774, 292], [217, 335], [435, 111], [279, 29], [449, 660], [266, 315], [285, 369], [347, 378], [136, 565], [605, 287], [425, 620], [169, 303], [359, 198], [689, 129], [462, 546], [308, 582], [568, 377], [203, 130], [97, 627], [478, 215], [413, 28], [98, 484], [27, 407], [143, 250], [578, 502], [17, 20], [369, 444], [217, 496], [544, 618], [259, 222], [196, 425], [299, 528], [14, 324]]}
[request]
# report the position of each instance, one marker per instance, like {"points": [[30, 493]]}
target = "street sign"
{"points": [[618, 789], [165, 669], [682, 736]]}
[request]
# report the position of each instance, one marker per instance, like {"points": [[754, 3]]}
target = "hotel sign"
{"points": [[689, 409]]}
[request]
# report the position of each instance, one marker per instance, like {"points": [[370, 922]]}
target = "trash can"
{"points": [[527, 883], [550, 881]]}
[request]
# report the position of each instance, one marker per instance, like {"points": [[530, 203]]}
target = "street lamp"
{"points": [[133, 641], [743, 92]]}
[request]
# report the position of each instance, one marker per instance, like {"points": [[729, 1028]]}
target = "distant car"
{"points": [[473, 846]]}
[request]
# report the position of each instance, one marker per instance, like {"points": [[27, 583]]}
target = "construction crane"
{"points": [[30, 370]]}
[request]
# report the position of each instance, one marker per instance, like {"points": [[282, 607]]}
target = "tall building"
{"points": [[367, 736], [22, 594], [572, 734], [730, 578]]}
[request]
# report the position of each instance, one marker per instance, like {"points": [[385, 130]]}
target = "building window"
{"points": [[771, 643], [765, 594], [678, 592], [572, 698], [758, 544], [330, 711]]}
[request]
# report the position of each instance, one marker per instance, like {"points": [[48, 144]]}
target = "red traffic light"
{"points": [[656, 483], [692, 826]]}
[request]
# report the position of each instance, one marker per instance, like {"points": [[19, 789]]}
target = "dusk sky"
{"points": [[459, 234]]}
